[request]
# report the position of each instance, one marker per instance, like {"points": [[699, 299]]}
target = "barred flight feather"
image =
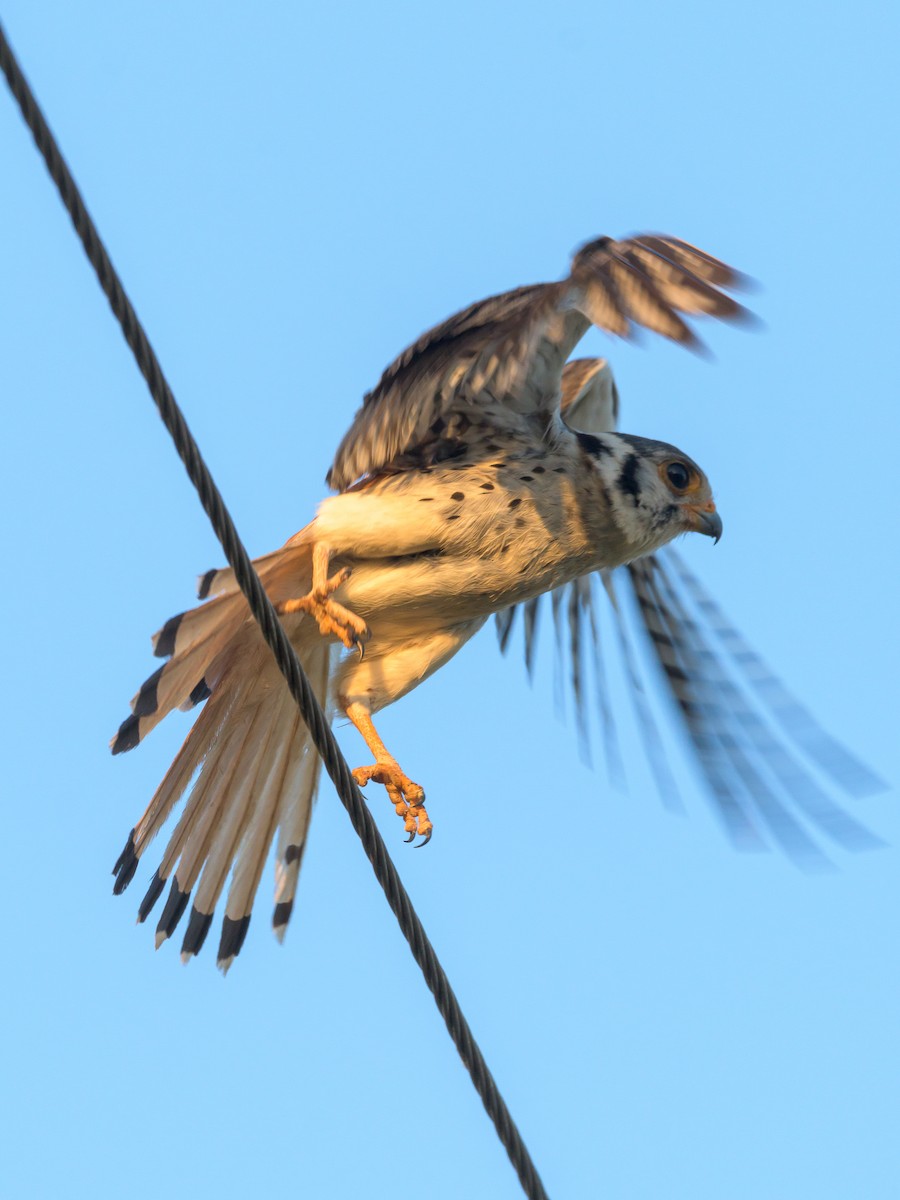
{"points": [[646, 304], [742, 748], [685, 691], [680, 287], [829, 755], [612, 749], [774, 756], [746, 796], [648, 730]]}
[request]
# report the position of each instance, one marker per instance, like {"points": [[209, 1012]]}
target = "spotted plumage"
{"points": [[483, 472]]}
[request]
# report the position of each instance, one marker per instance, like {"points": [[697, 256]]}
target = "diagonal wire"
{"points": [[278, 642]]}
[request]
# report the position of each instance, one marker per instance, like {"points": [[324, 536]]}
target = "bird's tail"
{"points": [[253, 766]]}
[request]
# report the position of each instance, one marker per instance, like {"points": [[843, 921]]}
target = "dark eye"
{"points": [[678, 475]]}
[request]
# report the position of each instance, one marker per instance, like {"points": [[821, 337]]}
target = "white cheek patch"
{"points": [[642, 507]]}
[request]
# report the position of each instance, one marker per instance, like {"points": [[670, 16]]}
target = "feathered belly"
{"points": [[433, 549], [434, 590]]}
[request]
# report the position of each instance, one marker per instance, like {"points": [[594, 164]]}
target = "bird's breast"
{"points": [[464, 540]]}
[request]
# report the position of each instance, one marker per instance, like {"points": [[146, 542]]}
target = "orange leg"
{"points": [[407, 797], [333, 619]]}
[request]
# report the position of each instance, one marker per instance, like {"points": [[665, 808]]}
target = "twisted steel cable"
{"points": [[264, 614]]}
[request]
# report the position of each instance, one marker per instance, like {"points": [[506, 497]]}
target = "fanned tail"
{"points": [[249, 754]]}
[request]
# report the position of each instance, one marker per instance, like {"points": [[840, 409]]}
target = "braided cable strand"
{"points": [[264, 613]]}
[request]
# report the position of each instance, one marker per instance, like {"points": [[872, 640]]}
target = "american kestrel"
{"points": [[482, 472]]}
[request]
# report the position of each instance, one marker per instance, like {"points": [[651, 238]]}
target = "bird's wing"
{"points": [[589, 398], [754, 743], [498, 364]]}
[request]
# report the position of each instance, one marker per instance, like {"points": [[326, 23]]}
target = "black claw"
{"points": [[424, 842], [410, 838], [361, 648]]}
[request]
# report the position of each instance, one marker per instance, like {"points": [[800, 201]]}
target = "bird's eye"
{"points": [[678, 475]]}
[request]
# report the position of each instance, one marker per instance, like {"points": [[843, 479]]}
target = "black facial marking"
{"points": [[539, 470], [487, 487], [627, 481], [458, 496], [425, 499], [559, 470], [527, 478], [515, 502], [668, 514], [592, 445], [453, 517]]}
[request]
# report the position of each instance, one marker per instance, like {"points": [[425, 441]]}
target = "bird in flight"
{"points": [[483, 472]]}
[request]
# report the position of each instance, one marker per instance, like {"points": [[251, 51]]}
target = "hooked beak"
{"points": [[704, 519]]}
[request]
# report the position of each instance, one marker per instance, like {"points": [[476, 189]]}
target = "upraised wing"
{"points": [[753, 742], [499, 363]]}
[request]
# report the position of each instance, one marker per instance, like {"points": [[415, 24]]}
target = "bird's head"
{"points": [[655, 491]]}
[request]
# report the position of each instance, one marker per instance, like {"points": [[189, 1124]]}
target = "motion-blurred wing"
{"points": [[753, 742], [497, 365]]}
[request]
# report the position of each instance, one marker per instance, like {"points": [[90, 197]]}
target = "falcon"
{"points": [[483, 472]]}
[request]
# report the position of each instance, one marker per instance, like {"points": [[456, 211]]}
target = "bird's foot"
{"points": [[333, 619], [405, 795]]}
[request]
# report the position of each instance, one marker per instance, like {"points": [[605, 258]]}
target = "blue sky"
{"points": [[292, 196]]}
